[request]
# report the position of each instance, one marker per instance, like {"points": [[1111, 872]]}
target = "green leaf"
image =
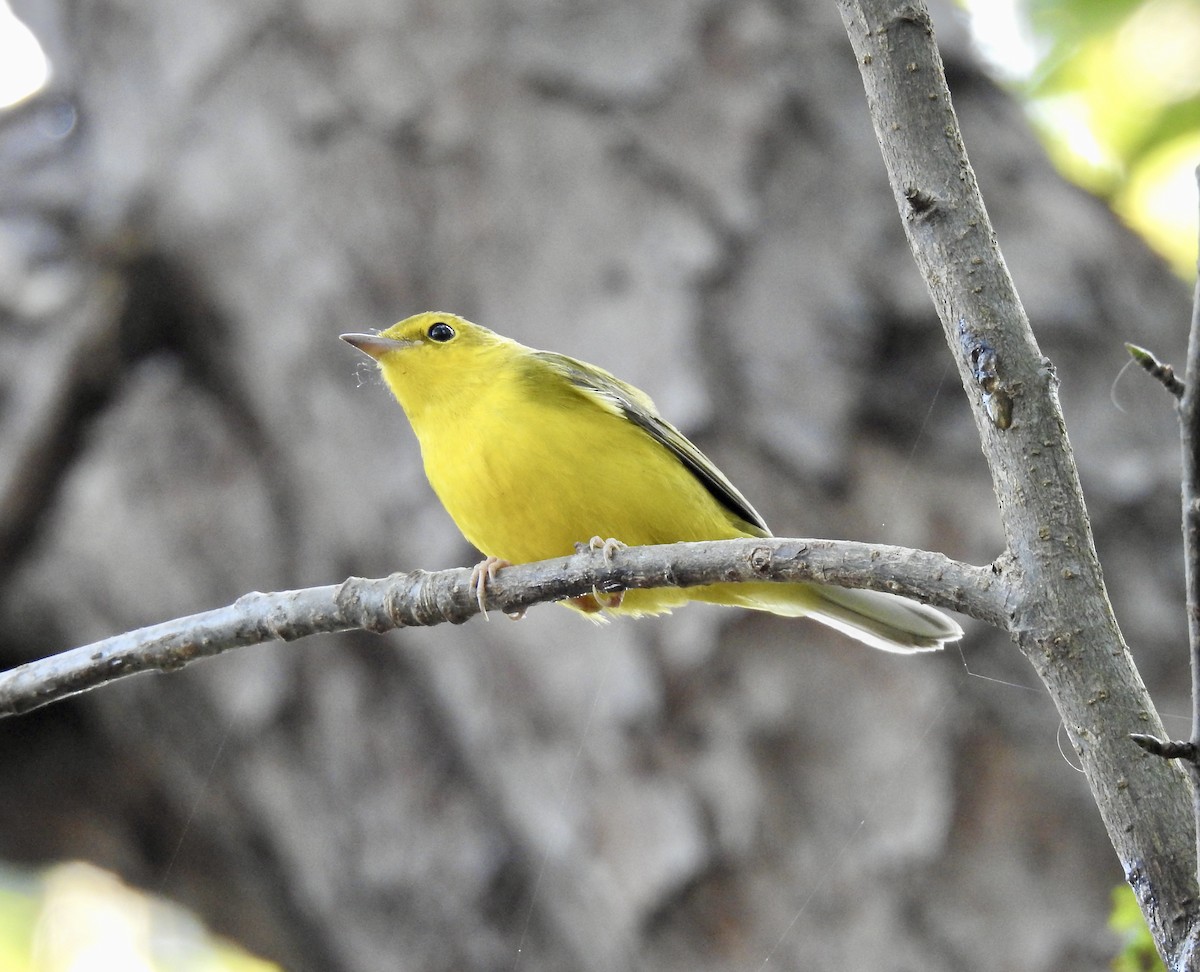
{"points": [[1138, 953]]}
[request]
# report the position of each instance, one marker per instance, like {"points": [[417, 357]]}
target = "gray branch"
{"points": [[1062, 620], [1189, 426], [421, 598]]}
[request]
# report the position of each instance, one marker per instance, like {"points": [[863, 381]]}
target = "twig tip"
{"points": [[1155, 368], [1167, 749]]}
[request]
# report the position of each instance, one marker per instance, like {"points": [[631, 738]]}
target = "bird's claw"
{"points": [[483, 572], [609, 546], [600, 600]]}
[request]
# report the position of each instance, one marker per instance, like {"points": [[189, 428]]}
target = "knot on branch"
{"points": [[427, 600], [760, 559], [922, 204], [985, 368], [915, 15]]}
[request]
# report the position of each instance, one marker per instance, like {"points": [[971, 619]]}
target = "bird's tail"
{"points": [[884, 621]]}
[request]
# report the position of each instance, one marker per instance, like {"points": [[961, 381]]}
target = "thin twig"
{"points": [[1157, 369], [420, 598], [1189, 423], [1189, 752]]}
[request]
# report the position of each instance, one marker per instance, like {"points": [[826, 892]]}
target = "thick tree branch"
{"points": [[1062, 620], [420, 598]]}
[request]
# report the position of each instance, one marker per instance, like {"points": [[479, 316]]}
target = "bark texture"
{"points": [[688, 193]]}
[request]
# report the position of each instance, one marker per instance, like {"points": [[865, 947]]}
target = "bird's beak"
{"points": [[376, 345]]}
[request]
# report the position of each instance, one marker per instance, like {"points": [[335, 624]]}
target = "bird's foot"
{"points": [[481, 575], [600, 600], [609, 546]]}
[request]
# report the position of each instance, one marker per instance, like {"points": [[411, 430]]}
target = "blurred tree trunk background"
{"points": [[687, 193]]}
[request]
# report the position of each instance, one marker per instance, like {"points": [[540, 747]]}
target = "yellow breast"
{"points": [[527, 471]]}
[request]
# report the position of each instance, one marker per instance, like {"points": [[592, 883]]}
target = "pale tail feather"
{"points": [[884, 621]]}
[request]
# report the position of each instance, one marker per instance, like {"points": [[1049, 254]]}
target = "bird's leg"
{"points": [[483, 572]]}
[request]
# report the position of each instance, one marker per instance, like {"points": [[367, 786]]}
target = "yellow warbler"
{"points": [[531, 452]]}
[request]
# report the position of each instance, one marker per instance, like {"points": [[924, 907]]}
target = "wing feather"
{"points": [[634, 405]]}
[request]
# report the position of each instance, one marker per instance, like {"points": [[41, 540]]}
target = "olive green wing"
{"points": [[634, 405]]}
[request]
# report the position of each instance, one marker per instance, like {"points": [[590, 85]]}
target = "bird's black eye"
{"points": [[440, 332]]}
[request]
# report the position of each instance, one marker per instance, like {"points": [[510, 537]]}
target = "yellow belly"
{"points": [[531, 489]]}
